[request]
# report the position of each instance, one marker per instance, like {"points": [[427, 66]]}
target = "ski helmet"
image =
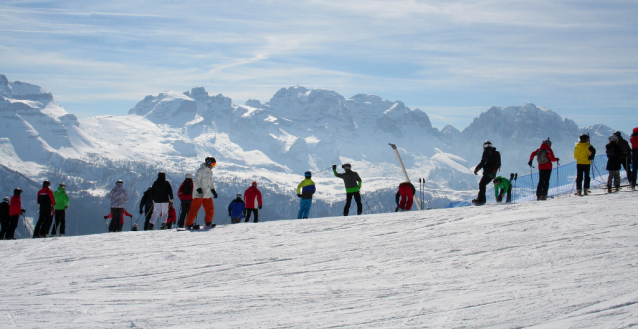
{"points": [[211, 162], [548, 142], [17, 191], [119, 182], [613, 138], [618, 133], [62, 185], [583, 137], [254, 184], [6, 198], [308, 174], [346, 166], [189, 176], [239, 195], [487, 144], [46, 183]]}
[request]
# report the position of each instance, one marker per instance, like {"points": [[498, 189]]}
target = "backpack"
{"points": [[188, 187], [541, 157]]}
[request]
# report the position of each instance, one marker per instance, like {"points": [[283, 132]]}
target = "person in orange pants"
{"points": [[406, 192], [204, 187]]}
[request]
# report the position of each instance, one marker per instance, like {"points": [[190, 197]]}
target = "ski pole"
{"points": [[322, 170], [531, 175], [366, 201], [557, 177]]}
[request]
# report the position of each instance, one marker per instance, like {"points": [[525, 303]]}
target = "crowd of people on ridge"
{"points": [[199, 191]]}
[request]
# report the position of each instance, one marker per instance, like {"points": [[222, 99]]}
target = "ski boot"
{"points": [[478, 202], [163, 226], [151, 227], [208, 226], [587, 191]]}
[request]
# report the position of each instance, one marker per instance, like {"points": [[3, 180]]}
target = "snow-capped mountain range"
{"points": [[298, 129]]}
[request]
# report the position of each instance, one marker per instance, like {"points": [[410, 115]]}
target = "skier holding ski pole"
{"points": [[584, 153], [353, 182]]}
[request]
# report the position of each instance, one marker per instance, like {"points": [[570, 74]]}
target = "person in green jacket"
{"points": [[502, 185], [61, 203], [353, 184]]}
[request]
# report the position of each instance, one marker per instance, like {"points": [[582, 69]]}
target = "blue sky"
{"points": [[452, 59]]}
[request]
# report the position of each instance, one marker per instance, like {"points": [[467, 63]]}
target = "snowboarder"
{"points": [[502, 186], [251, 195], [634, 157], [118, 198], [490, 163], [162, 193], [353, 182], [305, 190], [61, 204], [625, 155], [544, 156], [205, 186], [15, 210], [118, 220], [185, 195], [46, 202], [406, 193], [146, 206], [237, 210], [584, 153], [614, 162], [5, 217], [172, 216]]}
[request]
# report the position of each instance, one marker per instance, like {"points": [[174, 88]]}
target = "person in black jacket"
{"points": [[614, 162], [490, 163], [146, 207], [5, 217], [353, 185], [162, 193], [625, 155]]}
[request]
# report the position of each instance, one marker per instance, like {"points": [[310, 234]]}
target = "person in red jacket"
{"points": [[171, 217], [634, 157], [251, 195], [122, 214], [185, 195], [544, 156], [15, 210], [46, 201], [406, 192]]}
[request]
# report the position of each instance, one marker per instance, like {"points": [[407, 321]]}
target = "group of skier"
{"points": [[619, 155]]}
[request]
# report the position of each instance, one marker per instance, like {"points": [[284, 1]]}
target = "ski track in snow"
{"points": [[565, 263]]}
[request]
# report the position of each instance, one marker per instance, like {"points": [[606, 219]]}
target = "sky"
{"points": [[452, 59]]}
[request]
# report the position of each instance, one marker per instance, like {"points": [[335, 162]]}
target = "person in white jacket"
{"points": [[204, 191]]}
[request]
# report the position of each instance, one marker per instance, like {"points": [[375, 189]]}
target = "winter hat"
{"points": [[62, 185], [487, 144], [618, 134], [548, 142], [46, 183], [189, 176], [161, 176], [17, 191], [346, 166], [254, 184], [583, 137], [6, 198]]}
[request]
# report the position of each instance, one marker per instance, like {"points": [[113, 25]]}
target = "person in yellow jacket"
{"points": [[584, 153]]}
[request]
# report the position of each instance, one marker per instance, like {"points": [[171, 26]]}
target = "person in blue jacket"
{"points": [[237, 210], [305, 190]]}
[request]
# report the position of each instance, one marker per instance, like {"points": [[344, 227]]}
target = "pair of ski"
{"points": [[196, 228]]}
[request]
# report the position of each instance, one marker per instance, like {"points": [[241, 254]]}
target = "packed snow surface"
{"points": [[565, 263]]}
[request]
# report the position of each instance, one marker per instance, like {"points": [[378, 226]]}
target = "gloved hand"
{"points": [[475, 172], [214, 193], [557, 159], [200, 191], [229, 215], [105, 217], [334, 167], [591, 158], [141, 211], [170, 201], [499, 199], [299, 195], [259, 206], [529, 163], [22, 211]]}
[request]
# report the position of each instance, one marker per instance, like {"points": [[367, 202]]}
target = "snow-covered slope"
{"points": [[565, 263]]}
